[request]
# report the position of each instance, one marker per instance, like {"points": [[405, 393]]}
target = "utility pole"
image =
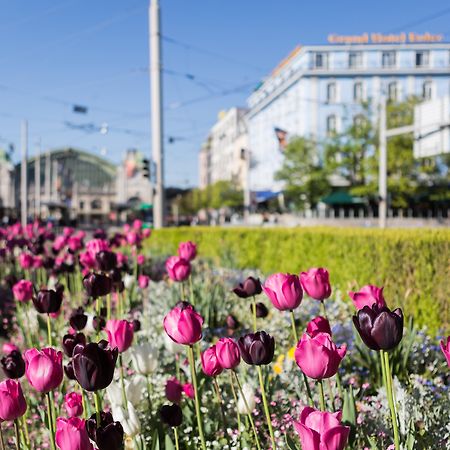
{"points": [[23, 173], [37, 180], [156, 112], [382, 167]]}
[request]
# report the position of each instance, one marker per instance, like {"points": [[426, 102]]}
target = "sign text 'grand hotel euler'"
{"points": [[379, 38]]}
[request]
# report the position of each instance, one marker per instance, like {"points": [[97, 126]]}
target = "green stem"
{"points": [[322, 395], [266, 407], [108, 306], [391, 400], [50, 421], [25, 428], [49, 331], [16, 429], [122, 383], [305, 380], [249, 413], [330, 391], [149, 389], [324, 310], [191, 290], [220, 402], [83, 402], [175, 432], [98, 407], [2, 444], [383, 369], [197, 400], [254, 313], [235, 403]]}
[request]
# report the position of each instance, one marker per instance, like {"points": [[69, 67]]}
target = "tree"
{"points": [[304, 174]]}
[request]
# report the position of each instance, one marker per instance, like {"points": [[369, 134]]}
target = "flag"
{"points": [[282, 138]]}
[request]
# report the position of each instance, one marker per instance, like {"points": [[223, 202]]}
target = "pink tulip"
{"points": [[183, 324], [173, 390], [44, 368], [68, 231], [75, 243], [23, 290], [59, 243], [87, 260], [316, 283], [38, 262], [445, 347], [26, 260], [140, 259], [178, 268], [368, 296], [284, 291], [188, 390], [318, 357], [133, 238], [210, 363], [120, 334], [137, 224], [121, 259], [146, 232], [73, 402], [318, 325], [143, 281], [12, 401], [321, 430], [71, 434], [9, 347], [95, 246], [228, 354], [187, 250]]}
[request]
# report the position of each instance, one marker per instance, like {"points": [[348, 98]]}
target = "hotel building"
{"points": [[318, 90]]}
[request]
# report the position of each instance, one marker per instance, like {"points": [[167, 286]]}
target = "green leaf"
{"points": [[169, 445], [290, 443]]}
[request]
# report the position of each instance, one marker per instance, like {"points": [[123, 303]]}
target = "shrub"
{"points": [[411, 264]]}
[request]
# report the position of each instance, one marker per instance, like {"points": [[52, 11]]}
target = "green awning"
{"points": [[341, 198], [145, 206]]}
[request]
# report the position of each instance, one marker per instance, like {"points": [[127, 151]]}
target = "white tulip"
{"points": [[172, 346], [114, 393], [128, 280], [133, 389], [249, 395], [128, 419], [145, 358], [89, 328]]}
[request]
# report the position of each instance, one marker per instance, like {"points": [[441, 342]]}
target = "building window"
{"points": [[331, 125], [427, 90], [359, 120], [96, 204], [392, 91], [331, 92], [354, 60], [388, 59], [358, 92], [81, 204], [320, 60], [422, 58]]}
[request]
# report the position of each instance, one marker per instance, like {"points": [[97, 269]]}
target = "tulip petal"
{"points": [[310, 439], [335, 438]]}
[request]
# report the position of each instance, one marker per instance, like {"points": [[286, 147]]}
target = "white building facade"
{"points": [[319, 89], [222, 156]]}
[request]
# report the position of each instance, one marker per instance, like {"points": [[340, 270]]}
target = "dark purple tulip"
{"points": [[47, 301], [379, 327], [257, 348], [97, 285], [108, 435], [69, 342], [94, 365], [261, 310], [249, 288], [68, 369], [99, 234], [78, 319], [232, 322], [49, 262], [98, 322], [136, 325], [106, 260], [13, 365], [171, 415]]}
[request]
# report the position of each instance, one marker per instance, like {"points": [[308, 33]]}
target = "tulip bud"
{"points": [[249, 288], [71, 434], [284, 291], [47, 301], [261, 310], [187, 250], [13, 364], [171, 415], [318, 357], [73, 403], [68, 370], [188, 390], [120, 334], [184, 325], [367, 296], [445, 347], [231, 322], [316, 283], [12, 401], [318, 325], [227, 352], [108, 435], [136, 325], [97, 285], [379, 328], [257, 348], [23, 290], [210, 362], [173, 390], [78, 319], [94, 365], [320, 429], [178, 268], [44, 369], [69, 342], [106, 260], [143, 281]]}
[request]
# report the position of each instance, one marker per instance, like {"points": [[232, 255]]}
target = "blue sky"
{"points": [[54, 54]]}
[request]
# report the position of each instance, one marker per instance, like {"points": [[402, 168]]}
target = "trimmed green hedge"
{"points": [[413, 265]]}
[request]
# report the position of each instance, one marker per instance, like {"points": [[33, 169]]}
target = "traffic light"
{"points": [[146, 168]]}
